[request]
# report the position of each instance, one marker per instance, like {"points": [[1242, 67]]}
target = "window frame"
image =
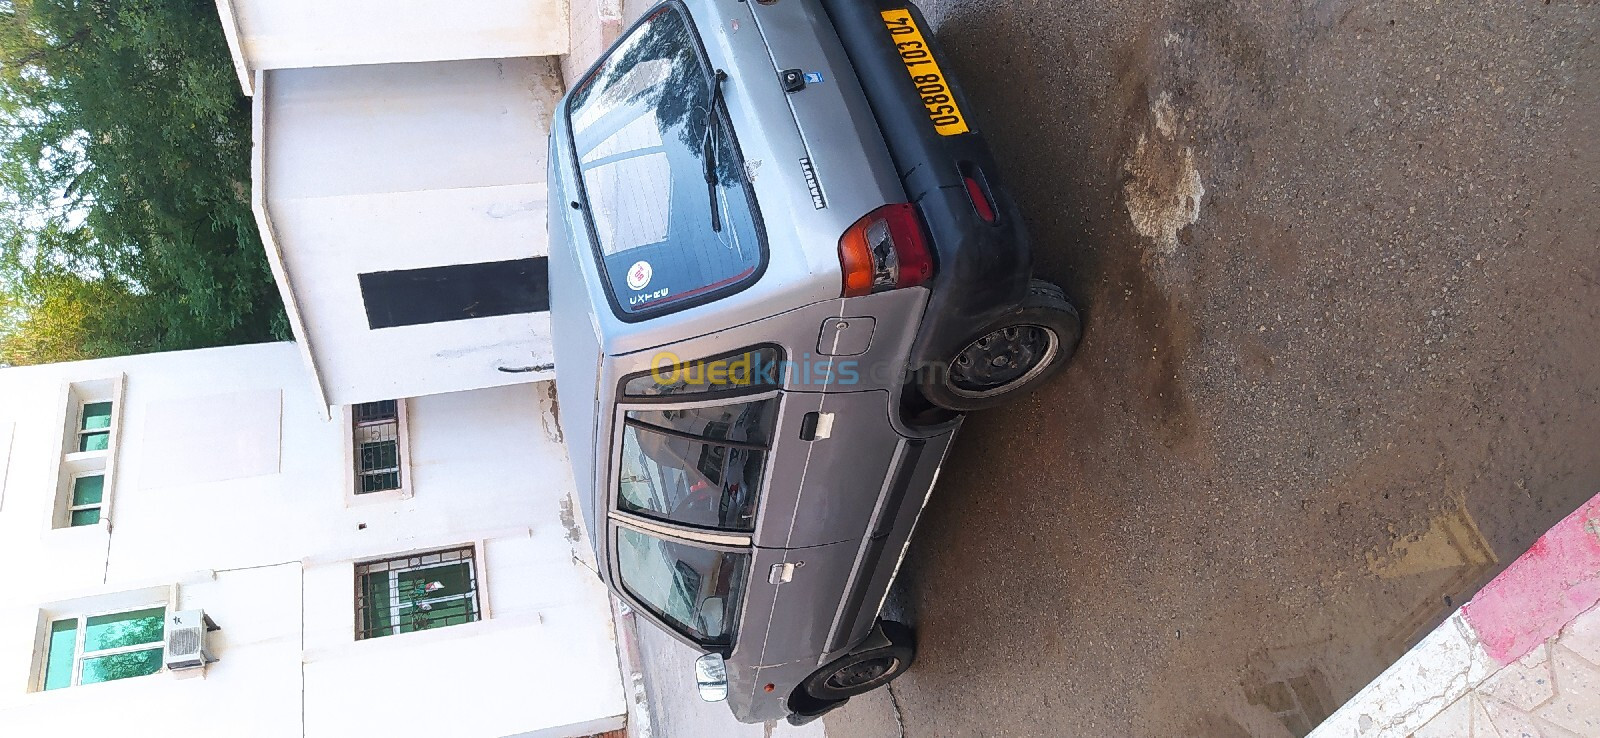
{"points": [[76, 396], [477, 597], [596, 251], [352, 453], [82, 617], [72, 490], [84, 432]]}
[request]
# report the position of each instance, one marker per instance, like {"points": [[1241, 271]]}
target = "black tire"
{"points": [[1010, 356], [864, 671]]}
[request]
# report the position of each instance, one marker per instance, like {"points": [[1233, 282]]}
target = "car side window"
{"points": [[698, 466], [695, 589]]}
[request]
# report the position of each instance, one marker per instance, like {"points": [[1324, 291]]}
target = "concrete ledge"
{"points": [[640, 724]]}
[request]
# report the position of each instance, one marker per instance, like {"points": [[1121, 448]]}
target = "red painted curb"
{"points": [[1534, 598]]}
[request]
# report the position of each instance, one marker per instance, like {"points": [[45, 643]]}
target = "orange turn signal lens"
{"points": [[885, 250]]}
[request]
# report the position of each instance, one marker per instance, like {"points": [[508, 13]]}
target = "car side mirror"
{"points": [[711, 673]]}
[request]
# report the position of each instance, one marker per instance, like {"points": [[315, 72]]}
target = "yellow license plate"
{"points": [[931, 83]]}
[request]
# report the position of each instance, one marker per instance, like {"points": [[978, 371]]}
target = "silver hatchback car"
{"points": [[782, 265]]}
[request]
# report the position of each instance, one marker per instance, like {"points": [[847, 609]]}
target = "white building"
{"points": [[402, 569], [399, 183]]}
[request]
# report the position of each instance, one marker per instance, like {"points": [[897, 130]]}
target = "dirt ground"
{"points": [[1338, 262]]}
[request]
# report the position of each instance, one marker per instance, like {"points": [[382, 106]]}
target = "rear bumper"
{"points": [[983, 268]]}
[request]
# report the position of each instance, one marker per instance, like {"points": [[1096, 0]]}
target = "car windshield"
{"points": [[698, 466], [640, 125], [695, 589]]}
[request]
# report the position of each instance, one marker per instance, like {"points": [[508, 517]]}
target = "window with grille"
{"points": [[419, 592], [377, 446]]}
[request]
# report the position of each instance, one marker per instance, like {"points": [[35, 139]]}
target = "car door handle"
{"points": [[816, 426], [780, 573]]}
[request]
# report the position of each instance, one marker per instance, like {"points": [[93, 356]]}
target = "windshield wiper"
{"points": [[710, 144]]}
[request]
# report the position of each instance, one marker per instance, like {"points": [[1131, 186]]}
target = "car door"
{"points": [[693, 585], [795, 476], [692, 469], [842, 454]]}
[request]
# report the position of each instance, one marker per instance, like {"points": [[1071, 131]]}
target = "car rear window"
{"points": [[640, 125]]}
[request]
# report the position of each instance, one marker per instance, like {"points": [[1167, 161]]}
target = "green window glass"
{"points": [[115, 646], [377, 618], [63, 646], [124, 629], [94, 428], [96, 415], [121, 666], [97, 441], [88, 490]]}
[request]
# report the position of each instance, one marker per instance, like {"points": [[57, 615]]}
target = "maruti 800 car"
{"points": [[782, 266]]}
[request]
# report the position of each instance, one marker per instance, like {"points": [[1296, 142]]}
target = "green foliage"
{"points": [[124, 183]]}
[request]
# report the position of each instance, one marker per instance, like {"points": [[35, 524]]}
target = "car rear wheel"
{"points": [[1009, 357], [864, 671]]}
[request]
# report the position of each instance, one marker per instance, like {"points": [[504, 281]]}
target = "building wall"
{"points": [[282, 34], [230, 494], [405, 166]]}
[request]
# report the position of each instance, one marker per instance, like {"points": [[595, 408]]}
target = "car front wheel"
{"points": [[864, 671]]}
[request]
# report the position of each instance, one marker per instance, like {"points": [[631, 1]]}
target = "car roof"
{"points": [[576, 338]]}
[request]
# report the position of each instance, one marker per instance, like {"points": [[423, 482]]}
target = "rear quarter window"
{"points": [[643, 131]]}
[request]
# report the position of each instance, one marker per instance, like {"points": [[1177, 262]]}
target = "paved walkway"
{"points": [[676, 710], [1521, 659]]}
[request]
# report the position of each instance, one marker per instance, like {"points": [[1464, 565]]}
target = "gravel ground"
{"points": [[1338, 265]]}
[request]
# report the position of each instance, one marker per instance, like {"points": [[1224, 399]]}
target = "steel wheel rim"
{"points": [[861, 673], [1002, 360]]}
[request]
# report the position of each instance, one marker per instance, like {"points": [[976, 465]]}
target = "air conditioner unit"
{"points": [[186, 640]]}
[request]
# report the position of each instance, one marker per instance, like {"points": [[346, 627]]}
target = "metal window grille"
{"points": [[377, 446], [419, 592]]}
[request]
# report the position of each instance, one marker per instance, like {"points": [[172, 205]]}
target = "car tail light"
{"points": [[885, 250]]}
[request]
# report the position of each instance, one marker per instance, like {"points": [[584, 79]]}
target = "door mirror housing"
{"points": [[711, 673]]}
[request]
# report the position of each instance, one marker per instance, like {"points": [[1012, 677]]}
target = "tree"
{"points": [[124, 182]]}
